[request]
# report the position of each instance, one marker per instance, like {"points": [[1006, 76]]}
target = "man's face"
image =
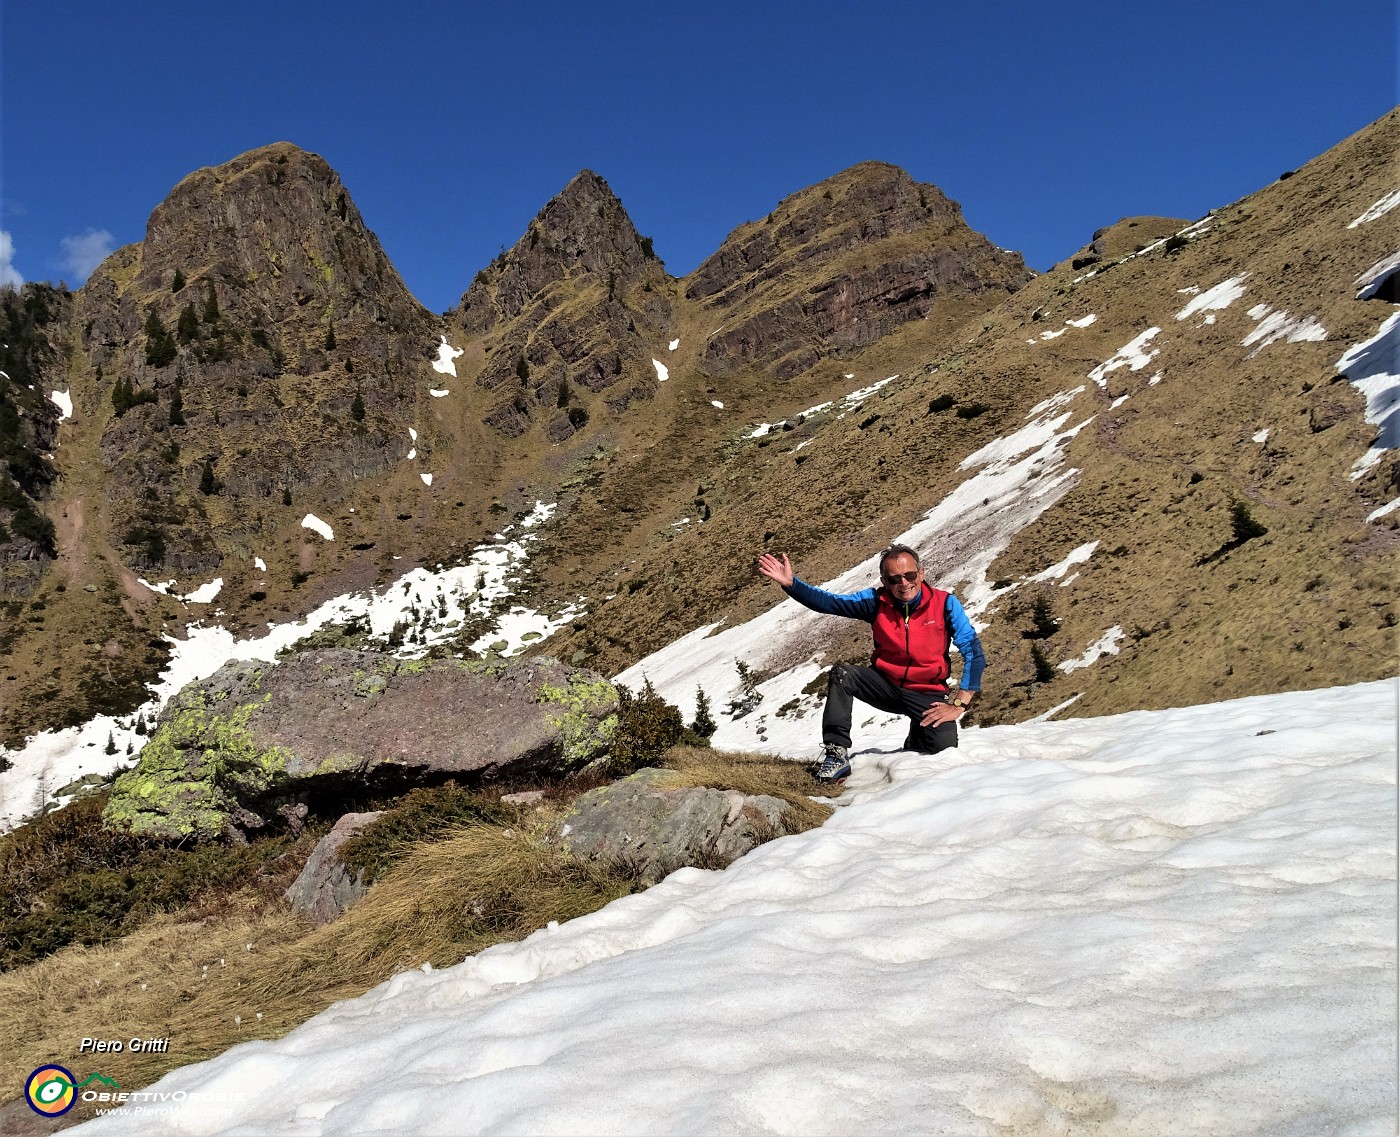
{"points": [[902, 577]]}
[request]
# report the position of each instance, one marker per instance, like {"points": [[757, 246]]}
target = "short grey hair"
{"points": [[900, 551]]}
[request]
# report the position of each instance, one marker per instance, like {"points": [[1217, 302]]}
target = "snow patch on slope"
{"points": [[1131, 355], [1373, 367], [314, 523], [444, 364], [1377, 209], [1221, 296], [1107, 644]]}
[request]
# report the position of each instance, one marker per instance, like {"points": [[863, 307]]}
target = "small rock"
{"points": [[653, 824], [325, 887]]}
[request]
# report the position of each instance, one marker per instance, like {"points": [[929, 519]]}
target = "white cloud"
{"points": [[84, 253], [8, 274]]}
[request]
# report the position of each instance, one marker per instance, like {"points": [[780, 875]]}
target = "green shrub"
{"points": [[150, 537], [65, 879], [647, 727], [1043, 618], [35, 527], [125, 395]]}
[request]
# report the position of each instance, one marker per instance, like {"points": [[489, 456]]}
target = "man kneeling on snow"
{"points": [[913, 624]]}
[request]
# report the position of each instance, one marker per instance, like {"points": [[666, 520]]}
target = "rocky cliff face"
{"points": [[257, 343], [31, 324], [840, 265]]}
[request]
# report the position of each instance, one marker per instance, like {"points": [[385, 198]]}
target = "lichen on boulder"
{"points": [[229, 749], [194, 773]]}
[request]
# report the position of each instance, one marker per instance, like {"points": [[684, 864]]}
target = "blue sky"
{"points": [[453, 123]]}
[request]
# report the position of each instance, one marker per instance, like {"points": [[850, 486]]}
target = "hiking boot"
{"points": [[835, 767]]}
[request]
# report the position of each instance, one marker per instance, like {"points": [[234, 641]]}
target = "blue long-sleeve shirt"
{"points": [[862, 605]]}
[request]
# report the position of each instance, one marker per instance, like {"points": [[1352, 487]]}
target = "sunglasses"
{"points": [[895, 578]]}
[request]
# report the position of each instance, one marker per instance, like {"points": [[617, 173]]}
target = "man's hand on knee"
{"points": [[939, 713]]}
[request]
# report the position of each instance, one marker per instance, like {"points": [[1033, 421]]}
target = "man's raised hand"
{"points": [[776, 568]]}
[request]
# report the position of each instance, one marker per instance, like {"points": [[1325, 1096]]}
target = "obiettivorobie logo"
{"points": [[52, 1090]]}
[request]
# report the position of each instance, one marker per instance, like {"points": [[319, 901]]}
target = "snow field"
{"points": [[1159, 923]]}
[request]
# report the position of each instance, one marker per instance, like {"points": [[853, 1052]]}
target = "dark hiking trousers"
{"points": [[846, 683]]}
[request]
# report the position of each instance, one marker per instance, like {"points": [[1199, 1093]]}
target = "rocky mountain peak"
{"points": [[841, 264], [258, 343], [584, 229]]}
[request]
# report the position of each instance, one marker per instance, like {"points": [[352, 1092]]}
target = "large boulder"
{"points": [[652, 823], [326, 887], [230, 749]]}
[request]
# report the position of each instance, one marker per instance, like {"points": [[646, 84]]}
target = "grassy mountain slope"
{"points": [[1309, 603]]}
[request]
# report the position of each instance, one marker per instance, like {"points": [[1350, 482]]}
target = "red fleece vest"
{"points": [[912, 653]]}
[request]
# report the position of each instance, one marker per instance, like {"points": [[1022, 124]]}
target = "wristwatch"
{"points": [[958, 701]]}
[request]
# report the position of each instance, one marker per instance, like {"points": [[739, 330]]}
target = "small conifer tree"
{"points": [[1044, 670], [177, 407], [208, 483], [704, 724], [179, 281], [1243, 523], [330, 339], [122, 396], [211, 305], [187, 329], [357, 408], [1043, 617], [160, 345]]}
